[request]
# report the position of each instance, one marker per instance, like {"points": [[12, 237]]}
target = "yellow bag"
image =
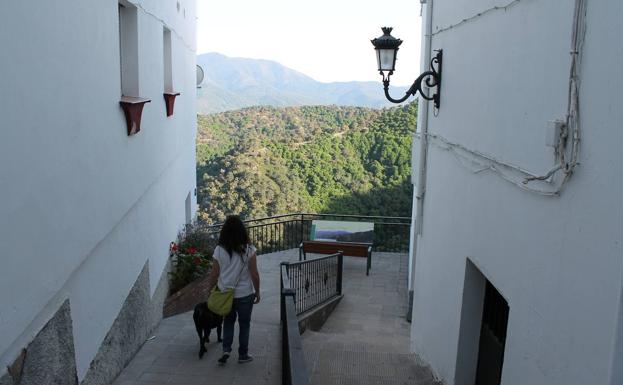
{"points": [[220, 302]]}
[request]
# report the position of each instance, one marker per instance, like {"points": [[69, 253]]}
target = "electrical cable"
{"points": [[478, 15], [571, 132], [159, 19], [506, 171]]}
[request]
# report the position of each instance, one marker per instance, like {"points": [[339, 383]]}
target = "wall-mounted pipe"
{"points": [[423, 113], [423, 107]]}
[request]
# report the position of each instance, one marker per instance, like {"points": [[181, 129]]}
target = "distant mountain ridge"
{"points": [[234, 83]]}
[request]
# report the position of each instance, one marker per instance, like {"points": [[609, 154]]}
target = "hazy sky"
{"points": [[328, 40]]}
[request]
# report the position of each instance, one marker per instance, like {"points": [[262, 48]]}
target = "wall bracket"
{"points": [[133, 110], [169, 100]]}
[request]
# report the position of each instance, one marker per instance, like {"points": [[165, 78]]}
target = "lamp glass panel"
{"points": [[386, 59]]}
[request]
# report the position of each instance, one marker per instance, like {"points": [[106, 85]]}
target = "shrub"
{"points": [[191, 257]]}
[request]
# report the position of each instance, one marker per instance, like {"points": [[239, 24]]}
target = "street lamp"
{"points": [[386, 47]]}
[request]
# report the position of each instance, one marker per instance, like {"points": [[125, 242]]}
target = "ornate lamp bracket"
{"points": [[430, 78]]}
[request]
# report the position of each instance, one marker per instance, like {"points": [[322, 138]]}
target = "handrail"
{"points": [[393, 223], [259, 219], [285, 280], [264, 224], [272, 223], [293, 367], [356, 216], [287, 231], [309, 261], [317, 215]]}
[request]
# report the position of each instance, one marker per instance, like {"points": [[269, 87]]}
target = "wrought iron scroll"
{"points": [[431, 78]]}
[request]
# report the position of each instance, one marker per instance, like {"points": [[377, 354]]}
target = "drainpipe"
{"points": [[423, 107]]}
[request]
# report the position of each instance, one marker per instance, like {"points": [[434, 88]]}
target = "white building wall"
{"points": [[556, 260], [84, 206]]}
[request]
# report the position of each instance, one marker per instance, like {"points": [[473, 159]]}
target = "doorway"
{"points": [[492, 337]]}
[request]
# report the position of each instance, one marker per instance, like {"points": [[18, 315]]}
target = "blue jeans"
{"points": [[241, 308]]}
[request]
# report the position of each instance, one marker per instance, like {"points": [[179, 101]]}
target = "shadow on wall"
{"points": [[383, 201]]}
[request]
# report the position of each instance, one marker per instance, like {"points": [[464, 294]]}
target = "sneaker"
{"points": [[224, 358], [245, 358]]}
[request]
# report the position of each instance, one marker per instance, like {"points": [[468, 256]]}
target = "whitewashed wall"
{"points": [[556, 260], [83, 206]]}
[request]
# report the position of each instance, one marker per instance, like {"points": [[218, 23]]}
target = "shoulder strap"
{"points": [[244, 264]]}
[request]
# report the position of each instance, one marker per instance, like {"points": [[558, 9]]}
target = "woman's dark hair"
{"points": [[234, 235]]}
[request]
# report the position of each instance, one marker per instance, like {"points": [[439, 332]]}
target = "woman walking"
{"points": [[235, 265]]}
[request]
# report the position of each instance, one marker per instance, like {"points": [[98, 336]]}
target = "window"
{"points": [[131, 102], [128, 49], [168, 60]]}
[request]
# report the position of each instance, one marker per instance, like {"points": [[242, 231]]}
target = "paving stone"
{"points": [[364, 341], [158, 378], [370, 328], [119, 381]]}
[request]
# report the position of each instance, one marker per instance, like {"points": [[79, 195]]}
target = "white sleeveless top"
{"points": [[230, 269]]}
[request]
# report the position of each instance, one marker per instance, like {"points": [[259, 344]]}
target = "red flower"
{"points": [[192, 250], [197, 260], [173, 247]]}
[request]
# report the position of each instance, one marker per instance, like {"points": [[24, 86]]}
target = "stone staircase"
{"points": [[334, 358], [365, 341], [366, 338]]}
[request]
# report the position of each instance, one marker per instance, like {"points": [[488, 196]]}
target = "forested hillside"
{"points": [[263, 161]]}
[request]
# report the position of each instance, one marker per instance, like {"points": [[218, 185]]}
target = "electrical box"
{"points": [[552, 135]]}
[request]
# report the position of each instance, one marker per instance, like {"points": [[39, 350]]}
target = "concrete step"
{"points": [[336, 358]]}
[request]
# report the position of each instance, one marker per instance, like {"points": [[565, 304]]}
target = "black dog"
{"points": [[205, 321]]}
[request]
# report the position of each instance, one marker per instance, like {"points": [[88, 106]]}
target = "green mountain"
{"points": [[264, 161], [234, 83]]}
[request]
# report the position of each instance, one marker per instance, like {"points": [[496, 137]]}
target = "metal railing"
{"points": [[287, 231], [304, 286], [315, 281], [293, 367]]}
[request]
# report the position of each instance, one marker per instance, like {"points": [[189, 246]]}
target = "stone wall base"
{"points": [[50, 357]]}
